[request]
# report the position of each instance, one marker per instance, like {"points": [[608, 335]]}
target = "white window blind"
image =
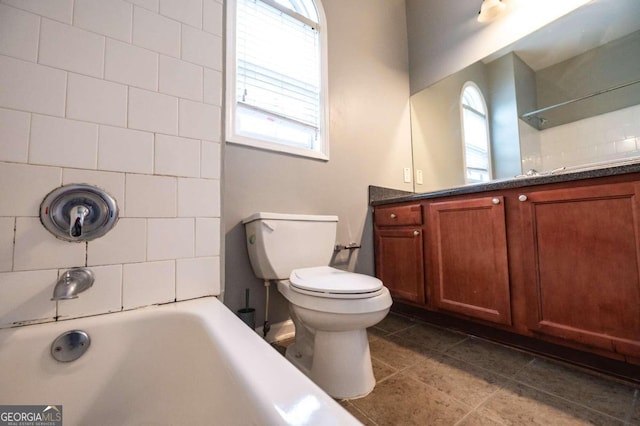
{"points": [[278, 78]]}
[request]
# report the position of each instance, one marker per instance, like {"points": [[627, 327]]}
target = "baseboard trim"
{"points": [[278, 331]]}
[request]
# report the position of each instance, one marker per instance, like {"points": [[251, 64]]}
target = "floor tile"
{"points": [[382, 370], [355, 412], [518, 404], [402, 400], [597, 393], [491, 356], [397, 353], [392, 323], [431, 338], [633, 417], [426, 375], [476, 419], [465, 382], [374, 333]]}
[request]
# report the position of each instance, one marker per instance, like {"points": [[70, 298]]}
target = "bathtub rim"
{"points": [[279, 391]]}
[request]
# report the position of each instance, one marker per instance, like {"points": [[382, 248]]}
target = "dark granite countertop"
{"points": [[380, 196]]}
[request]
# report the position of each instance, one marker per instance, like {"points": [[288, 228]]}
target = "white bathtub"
{"points": [[187, 363]]}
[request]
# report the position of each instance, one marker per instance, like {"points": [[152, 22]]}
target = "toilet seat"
{"points": [[325, 281]]}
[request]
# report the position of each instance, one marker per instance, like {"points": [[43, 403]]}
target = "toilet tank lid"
{"points": [[289, 216]]}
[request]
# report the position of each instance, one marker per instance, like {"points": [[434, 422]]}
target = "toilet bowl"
{"points": [[330, 308]]}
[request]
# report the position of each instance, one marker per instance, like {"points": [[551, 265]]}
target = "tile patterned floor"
{"points": [[432, 376]]}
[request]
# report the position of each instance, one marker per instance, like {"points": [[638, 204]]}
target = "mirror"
{"points": [[567, 95]]}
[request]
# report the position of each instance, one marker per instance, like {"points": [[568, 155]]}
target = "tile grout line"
{"points": [[364, 413]]}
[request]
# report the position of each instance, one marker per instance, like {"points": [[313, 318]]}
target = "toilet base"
{"points": [[340, 363]]}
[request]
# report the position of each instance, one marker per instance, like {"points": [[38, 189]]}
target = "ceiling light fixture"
{"points": [[490, 9]]}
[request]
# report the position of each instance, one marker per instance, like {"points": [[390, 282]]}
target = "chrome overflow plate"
{"points": [[70, 346]]}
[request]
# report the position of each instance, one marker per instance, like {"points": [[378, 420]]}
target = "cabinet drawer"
{"points": [[398, 215]]}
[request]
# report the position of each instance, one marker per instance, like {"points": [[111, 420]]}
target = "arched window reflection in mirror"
{"points": [[475, 134]]}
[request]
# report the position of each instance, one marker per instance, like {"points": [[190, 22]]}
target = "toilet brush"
{"points": [[266, 327], [247, 314]]}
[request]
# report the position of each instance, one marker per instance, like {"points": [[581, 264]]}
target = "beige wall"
{"points": [[436, 128], [370, 144]]}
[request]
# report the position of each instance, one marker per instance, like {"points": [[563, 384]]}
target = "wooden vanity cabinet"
{"points": [[468, 262], [558, 264], [399, 252], [581, 254]]}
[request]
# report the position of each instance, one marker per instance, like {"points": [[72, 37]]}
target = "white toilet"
{"points": [[330, 308]]}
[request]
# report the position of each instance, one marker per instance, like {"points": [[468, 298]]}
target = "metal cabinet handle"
{"points": [[416, 233], [496, 201], [522, 197], [393, 215]]}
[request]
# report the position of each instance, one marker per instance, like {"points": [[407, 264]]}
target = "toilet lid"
{"points": [[332, 281]]}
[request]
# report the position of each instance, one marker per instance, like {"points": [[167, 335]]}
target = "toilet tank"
{"points": [[279, 243]]}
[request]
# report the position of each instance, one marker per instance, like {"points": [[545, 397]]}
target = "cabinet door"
{"points": [[400, 262], [582, 256], [468, 260]]}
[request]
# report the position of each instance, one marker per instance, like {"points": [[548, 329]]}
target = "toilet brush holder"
{"points": [[247, 314]]}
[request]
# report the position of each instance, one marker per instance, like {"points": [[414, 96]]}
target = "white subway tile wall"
{"points": [[188, 281], [153, 112], [125, 243], [608, 137], [26, 296], [111, 182], [201, 48], [170, 239], [125, 95], [180, 78], [69, 48], [185, 11], [177, 156], [212, 87], [138, 146], [153, 5], [212, 14], [19, 33], [61, 142], [109, 18], [204, 227], [196, 120], [14, 128], [60, 10], [30, 87], [95, 100], [106, 297], [36, 249], [131, 65], [155, 32], [209, 168], [24, 186], [149, 282], [7, 226], [151, 196]]}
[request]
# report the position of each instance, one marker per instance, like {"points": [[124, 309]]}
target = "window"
{"points": [[276, 76], [475, 135]]}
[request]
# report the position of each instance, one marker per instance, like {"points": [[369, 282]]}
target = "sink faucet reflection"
{"points": [[72, 282], [534, 172]]}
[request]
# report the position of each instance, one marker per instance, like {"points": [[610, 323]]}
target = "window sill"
{"points": [[279, 148]]}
